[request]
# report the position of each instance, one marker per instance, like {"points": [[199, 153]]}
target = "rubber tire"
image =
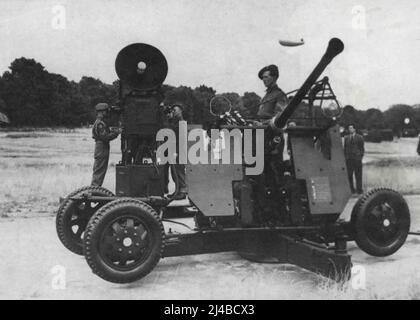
{"points": [[64, 210], [360, 210], [105, 215]]}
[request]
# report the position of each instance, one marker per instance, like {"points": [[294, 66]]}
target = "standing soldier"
{"points": [[102, 134], [274, 101], [353, 151], [173, 118]]}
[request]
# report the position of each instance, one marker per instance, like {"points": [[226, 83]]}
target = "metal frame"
{"points": [[285, 244]]}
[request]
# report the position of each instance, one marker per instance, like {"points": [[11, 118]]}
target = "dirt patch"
{"points": [[41, 207]]}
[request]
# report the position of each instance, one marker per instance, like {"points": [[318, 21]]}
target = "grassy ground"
{"points": [[393, 164], [38, 167]]}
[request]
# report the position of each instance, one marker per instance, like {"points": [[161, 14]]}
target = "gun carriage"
{"points": [[293, 218]]}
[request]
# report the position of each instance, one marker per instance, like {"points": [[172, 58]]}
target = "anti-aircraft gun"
{"points": [[294, 219]]}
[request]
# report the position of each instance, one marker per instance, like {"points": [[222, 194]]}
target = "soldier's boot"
{"points": [[182, 190]]}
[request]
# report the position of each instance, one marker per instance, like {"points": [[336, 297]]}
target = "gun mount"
{"points": [[289, 215]]}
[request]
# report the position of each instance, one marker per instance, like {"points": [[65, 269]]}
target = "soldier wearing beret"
{"points": [[274, 101], [102, 134]]}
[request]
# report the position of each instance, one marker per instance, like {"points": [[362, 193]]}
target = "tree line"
{"points": [[32, 96]]}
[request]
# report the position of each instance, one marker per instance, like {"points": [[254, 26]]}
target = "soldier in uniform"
{"points": [[274, 101], [173, 118], [102, 134]]}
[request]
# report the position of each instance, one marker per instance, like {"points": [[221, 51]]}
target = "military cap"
{"points": [[274, 71], [101, 106]]}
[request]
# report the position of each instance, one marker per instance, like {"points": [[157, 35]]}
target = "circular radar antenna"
{"points": [[141, 66]]}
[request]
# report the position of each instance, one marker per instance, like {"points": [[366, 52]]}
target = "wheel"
{"points": [[73, 217], [380, 222], [124, 241]]}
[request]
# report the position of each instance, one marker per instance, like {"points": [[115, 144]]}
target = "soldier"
{"points": [[274, 101], [354, 150], [102, 134], [173, 117]]}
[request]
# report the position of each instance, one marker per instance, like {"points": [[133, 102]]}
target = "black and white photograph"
{"points": [[209, 150]]}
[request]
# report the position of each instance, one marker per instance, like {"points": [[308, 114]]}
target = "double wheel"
{"points": [[122, 240], [73, 216]]}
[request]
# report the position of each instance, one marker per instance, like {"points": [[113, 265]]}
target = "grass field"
{"points": [[393, 164], [38, 167]]}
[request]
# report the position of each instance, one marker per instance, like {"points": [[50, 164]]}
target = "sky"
{"points": [[223, 44]]}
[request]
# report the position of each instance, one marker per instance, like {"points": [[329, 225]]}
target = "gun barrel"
{"points": [[335, 47]]}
